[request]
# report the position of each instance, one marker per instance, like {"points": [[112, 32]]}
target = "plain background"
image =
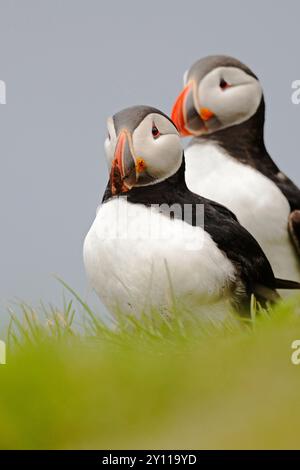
{"points": [[68, 64]]}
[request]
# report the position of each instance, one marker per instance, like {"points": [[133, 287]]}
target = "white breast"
{"points": [[136, 259], [256, 201]]}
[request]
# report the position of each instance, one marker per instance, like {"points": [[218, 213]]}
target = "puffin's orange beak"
{"points": [[179, 111], [188, 117], [123, 175]]}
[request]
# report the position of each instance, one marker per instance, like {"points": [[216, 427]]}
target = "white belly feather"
{"points": [[133, 269], [256, 201]]}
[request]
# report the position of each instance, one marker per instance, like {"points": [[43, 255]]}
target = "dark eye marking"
{"points": [[108, 135], [224, 84], [155, 132]]}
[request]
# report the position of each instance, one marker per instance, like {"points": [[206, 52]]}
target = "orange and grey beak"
{"points": [[123, 175], [186, 116]]}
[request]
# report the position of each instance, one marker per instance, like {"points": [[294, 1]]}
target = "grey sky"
{"points": [[68, 65]]}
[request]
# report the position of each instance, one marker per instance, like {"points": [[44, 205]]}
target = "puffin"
{"points": [[222, 108], [154, 244]]}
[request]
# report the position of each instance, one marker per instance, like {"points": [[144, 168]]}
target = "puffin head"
{"points": [[142, 148], [219, 92]]}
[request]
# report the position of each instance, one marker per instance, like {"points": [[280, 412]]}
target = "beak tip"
{"points": [[123, 172]]}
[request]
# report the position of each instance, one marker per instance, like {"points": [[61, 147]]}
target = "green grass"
{"points": [[71, 382]]}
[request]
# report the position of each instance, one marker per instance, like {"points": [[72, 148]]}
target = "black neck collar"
{"points": [[153, 192]]}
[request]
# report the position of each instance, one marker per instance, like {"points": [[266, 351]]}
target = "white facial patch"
{"points": [[235, 103], [162, 155], [185, 76], [110, 142]]}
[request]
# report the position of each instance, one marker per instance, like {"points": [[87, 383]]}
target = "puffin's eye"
{"points": [[108, 135], [155, 132], [223, 84]]}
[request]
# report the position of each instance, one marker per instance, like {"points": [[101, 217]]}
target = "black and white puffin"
{"points": [[222, 106], [147, 243]]}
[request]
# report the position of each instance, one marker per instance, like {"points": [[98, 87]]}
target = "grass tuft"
{"points": [[176, 381]]}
